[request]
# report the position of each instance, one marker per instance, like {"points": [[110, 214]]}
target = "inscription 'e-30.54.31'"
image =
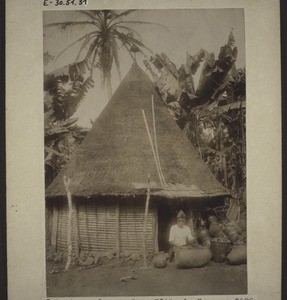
{"points": [[65, 2]]}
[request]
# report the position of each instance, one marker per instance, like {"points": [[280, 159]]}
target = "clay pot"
{"points": [[242, 224], [194, 257], [214, 229], [203, 233], [220, 234], [204, 237], [231, 232], [233, 237], [233, 226], [206, 242], [160, 264], [219, 249], [212, 219], [238, 255], [159, 260]]}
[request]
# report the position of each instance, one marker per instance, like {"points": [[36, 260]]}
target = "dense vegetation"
{"points": [[212, 115]]}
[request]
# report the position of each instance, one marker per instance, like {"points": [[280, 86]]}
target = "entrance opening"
{"points": [[165, 221], [167, 217]]}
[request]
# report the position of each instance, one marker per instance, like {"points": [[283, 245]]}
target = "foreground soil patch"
{"points": [[214, 279]]}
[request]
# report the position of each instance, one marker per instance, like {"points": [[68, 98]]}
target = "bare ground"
{"points": [[105, 280]]}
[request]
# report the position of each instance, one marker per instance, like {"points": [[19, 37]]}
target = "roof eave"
{"points": [[161, 193]]}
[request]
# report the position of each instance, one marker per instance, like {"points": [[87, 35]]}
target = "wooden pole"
{"points": [[67, 183], [145, 221], [155, 142], [76, 229], [156, 231], [152, 148], [55, 227], [118, 229]]}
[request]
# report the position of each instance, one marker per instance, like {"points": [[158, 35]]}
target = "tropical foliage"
{"points": [[62, 135], [104, 31], [212, 114], [219, 135], [218, 131]]}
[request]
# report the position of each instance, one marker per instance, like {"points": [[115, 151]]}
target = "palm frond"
{"points": [[98, 22], [145, 56], [130, 40], [93, 62], [79, 96], [123, 14], [100, 17], [85, 43], [87, 13], [142, 45], [72, 44], [139, 22], [64, 25], [116, 55], [92, 47], [130, 30], [106, 60], [130, 53], [100, 46]]}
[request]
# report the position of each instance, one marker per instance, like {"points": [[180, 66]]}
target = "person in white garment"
{"points": [[180, 235]]}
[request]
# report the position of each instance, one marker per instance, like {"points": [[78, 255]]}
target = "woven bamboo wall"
{"points": [[97, 222], [98, 226], [62, 228], [131, 226]]}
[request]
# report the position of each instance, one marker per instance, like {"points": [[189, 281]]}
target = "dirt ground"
{"points": [[105, 280]]}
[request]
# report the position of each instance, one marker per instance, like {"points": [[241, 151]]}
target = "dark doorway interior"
{"points": [[165, 221], [167, 212]]}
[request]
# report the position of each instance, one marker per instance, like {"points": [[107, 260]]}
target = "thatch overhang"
{"points": [[116, 157]]}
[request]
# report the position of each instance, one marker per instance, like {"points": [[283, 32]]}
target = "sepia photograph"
{"points": [[143, 149], [145, 152]]}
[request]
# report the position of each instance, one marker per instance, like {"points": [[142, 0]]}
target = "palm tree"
{"points": [[99, 46]]}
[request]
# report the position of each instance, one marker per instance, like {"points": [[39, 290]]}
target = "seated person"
{"points": [[180, 235]]}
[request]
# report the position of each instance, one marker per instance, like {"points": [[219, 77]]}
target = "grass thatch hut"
{"points": [[109, 175]]}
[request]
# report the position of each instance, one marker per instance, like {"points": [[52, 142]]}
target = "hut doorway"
{"points": [[165, 221]]}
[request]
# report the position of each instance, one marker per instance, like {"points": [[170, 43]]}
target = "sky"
{"points": [[183, 30]]}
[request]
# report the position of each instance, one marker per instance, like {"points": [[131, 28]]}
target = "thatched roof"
{"points": [[116, 157]]}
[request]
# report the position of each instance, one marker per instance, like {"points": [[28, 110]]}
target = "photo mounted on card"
{"points": [[145, 152], [147, 160]]}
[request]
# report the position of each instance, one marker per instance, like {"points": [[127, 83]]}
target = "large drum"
{"points": [[194, 257]]}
